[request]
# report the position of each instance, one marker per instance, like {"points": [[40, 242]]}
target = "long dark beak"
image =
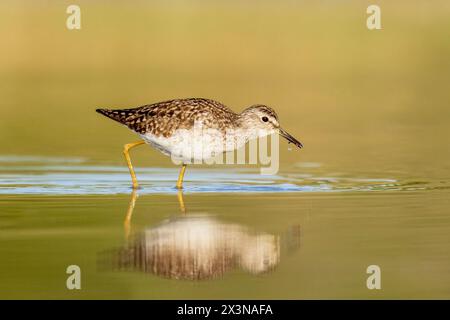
{"points": [[290, 138]]}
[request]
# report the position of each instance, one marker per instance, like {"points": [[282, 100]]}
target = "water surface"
{"points": [[371, 186], [232, 233]]}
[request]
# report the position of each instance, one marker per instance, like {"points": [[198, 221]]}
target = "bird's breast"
{"points": [[195, 145]]}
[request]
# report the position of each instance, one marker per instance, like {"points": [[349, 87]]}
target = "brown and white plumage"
{"points": [[172, 127], [163, 118]]}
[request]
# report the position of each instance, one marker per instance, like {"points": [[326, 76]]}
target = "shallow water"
{"points": [[232, 233], [61, 176], [371, 186]]}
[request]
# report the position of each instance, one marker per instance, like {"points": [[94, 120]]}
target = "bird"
{"points": [[170, 126]]}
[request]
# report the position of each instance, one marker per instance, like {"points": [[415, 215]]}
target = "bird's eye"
{"points": [[265, 119]]}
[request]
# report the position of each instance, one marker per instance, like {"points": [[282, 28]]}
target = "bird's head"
{"points": [[264, 120]]}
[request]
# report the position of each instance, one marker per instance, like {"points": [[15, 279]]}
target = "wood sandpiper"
{"points": [[165, 126]]}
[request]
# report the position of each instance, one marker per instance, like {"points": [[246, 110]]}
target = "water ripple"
{"points": [[68, 176]]}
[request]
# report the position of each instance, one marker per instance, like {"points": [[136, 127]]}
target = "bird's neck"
{"points": [[243, 128]]}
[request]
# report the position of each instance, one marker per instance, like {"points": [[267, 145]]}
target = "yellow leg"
{"points": [[181, 202], [180, 177], [127, 222], [126, 148]]}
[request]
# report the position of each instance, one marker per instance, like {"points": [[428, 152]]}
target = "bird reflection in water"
{"points": [[195, 247]]}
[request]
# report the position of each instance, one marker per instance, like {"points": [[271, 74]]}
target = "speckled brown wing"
{"points": [[163, 118]]}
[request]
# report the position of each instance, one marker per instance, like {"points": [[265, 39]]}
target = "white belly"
{"points": [[189, 145]]}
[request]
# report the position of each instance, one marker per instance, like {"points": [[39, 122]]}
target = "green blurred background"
{"points": [[341, 88], [366, 104]]}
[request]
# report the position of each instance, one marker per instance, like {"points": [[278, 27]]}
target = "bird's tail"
{"points": [[112, 114]]}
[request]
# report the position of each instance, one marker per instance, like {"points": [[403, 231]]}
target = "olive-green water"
{"points": [[371, 186]]}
